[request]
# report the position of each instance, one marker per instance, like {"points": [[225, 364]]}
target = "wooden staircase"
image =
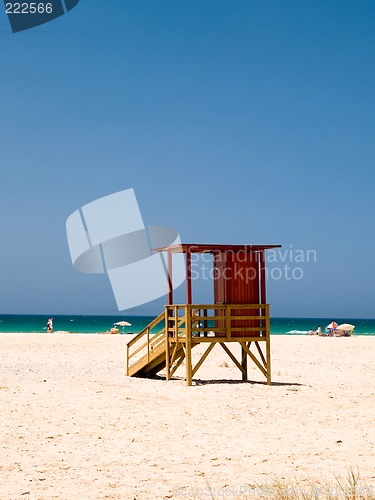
{"points": [[146, 354]]}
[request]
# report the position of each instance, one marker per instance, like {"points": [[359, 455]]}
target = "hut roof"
{"points": [[212, 248]]}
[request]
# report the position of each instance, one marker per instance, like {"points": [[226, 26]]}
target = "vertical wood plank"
{"points": [[244, 363], [170, 281], [189, 368], [188, 277], [167, 351], [268, 344]]}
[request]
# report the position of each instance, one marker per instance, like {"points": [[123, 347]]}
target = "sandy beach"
{"points": [[73, 426]]}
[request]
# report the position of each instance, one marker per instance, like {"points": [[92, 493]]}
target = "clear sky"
{"points": [[235, 121]]}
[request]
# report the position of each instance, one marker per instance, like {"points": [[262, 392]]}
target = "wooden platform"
{"points": [[169, 339]]}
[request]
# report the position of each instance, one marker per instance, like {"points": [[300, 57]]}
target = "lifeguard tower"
{"points": [[240, 314]]}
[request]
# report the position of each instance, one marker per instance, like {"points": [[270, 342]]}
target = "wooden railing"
{"points": [[195, 323], [143, 347], [221, 321]]}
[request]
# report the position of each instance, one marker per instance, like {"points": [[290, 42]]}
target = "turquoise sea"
{"points": [[96, 324]]}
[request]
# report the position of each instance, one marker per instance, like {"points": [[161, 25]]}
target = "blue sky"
{"points": [[234, 121]]}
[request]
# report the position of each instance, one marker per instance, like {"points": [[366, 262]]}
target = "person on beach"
{"points": [[319, 330], [332, 329], [49, 325]]}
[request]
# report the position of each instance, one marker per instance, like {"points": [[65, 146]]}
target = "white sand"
{"points": [[73, 426]]}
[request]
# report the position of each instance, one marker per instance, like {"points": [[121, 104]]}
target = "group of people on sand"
{"points": [[330, 331], [327, 332], [318, 331]]}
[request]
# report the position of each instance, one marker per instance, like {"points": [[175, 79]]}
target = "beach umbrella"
{"points": [[122, 323], [347, 327]]}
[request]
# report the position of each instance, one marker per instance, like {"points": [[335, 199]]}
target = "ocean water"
{"points": [[301, 326], [96, 324], [29, 323]]}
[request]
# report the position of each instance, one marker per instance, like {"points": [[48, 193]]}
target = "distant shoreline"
{"points": [[96, 324]]}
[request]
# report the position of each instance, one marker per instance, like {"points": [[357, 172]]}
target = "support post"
{"points": [[268, 344], [189, 368], [170, 282], [188, 277], [244, 363], [262, 278], [167, 353], [228, 322]]}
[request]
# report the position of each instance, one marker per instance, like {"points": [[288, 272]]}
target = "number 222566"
{"points": [[28, 8]]}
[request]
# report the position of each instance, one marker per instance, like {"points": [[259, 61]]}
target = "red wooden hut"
{"points": [[239, 313]]}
